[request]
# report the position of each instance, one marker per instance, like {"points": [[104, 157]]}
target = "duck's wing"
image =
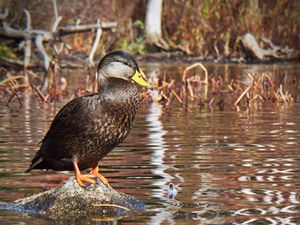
{"points": [[74, 118], [73, 121]]}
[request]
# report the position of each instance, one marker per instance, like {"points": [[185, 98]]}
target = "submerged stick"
{"points": [[111, 205]]}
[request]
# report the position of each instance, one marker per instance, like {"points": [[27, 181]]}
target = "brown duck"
{"points": [[87, 128]]}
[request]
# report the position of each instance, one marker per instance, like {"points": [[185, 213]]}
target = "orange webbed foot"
{"points": [[80, 178], [95, 173]]}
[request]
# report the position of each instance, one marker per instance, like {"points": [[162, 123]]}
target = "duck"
{"points": [[87, 128]]}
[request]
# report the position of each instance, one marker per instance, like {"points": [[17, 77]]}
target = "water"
{"points": [[227, 167]]}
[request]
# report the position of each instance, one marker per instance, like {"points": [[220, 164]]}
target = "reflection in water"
{"points": [[156, 140], [158, 145], [228, 167]]}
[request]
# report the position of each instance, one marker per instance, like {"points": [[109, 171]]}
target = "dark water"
{"points": [[228, 167]]}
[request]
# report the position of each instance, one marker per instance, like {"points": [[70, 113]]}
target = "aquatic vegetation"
{"points": [[251, 91], [195, 85]]}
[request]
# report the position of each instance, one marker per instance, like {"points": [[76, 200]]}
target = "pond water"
{"points": [[227, 167]]}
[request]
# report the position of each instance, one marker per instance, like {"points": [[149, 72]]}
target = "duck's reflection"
{"points": [[158, 144]]}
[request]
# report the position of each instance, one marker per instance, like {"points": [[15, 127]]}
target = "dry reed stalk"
{"points": [[10, 78], [242, 95], [41, 95], [177, 97], [193, 66]]}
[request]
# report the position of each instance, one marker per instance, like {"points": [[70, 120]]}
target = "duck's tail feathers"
{"points": [[34, 164]]}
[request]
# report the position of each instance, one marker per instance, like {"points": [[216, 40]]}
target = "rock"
{"points": [[71, 202]]}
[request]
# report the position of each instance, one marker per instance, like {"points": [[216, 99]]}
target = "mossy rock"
{"points": [[71, 202]]}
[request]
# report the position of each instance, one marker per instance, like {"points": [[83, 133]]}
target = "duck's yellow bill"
{"points": [[139, 79]]}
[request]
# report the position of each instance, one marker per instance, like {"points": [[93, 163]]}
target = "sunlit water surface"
{"points": [[227, 166]]}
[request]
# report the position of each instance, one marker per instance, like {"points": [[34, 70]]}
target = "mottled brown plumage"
{"points": [[89, 127]]}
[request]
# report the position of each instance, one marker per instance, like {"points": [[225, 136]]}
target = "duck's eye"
{"points": [[127, 64]]}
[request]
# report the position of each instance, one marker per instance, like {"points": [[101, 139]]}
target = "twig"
{"points": [[85, 27], [13, 83], [190, 88], [40, 47], [211, 101], [105, 219], [243, 94], [255, 97], [216, 49], [95, 44], [193, 66], [281, 93], [40, 94], [9, 32], [34, 75], [175, 94], [56, 23], [27, 52], [10, 79], [14, 94], [250, 76], [54, 3], [111, 205], [54, 72]]}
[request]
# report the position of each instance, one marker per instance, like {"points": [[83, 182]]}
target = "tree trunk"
{"points": [[153, 23]]}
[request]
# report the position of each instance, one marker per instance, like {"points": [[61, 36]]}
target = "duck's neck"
{"points": [[118, 91]]}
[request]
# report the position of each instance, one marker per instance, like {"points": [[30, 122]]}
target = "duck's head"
{"points": [[120, 64]]}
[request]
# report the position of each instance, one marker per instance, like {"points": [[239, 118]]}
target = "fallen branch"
{"points": [[14, 62], [12, 33], [252, 49], [42, 36]]}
